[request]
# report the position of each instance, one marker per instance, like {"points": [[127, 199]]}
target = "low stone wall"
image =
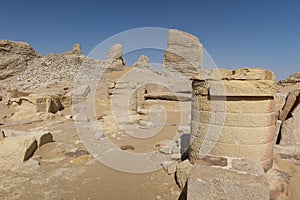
{"points": [[233, 115]]}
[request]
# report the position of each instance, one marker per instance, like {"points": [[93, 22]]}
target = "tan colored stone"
{"points": [[115, 60], [34, 105], [248, 165], [183, 171], [279, 183], [76, 49], [239, 74], [290, 130], [184, 54], [235, 104], [291, 100], [235, 135], [207, 182], [252, 74], [256, 88], [19, 146], [115, 52], [143, 63], [237, 119], [15, 57]]}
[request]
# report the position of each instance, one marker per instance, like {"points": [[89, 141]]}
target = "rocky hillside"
{"points": [[15, 57]]}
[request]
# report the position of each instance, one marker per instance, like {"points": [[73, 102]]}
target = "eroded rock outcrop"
{"points": [[14, 57], [77, 49], [115, 57], [184, 55]]}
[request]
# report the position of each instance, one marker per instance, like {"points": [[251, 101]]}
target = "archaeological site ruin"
{"points": [[75, 127]]}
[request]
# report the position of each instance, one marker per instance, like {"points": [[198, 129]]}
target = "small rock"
{"points": [[172, 168], [183, 172], [158, 197], [100, 135], [69, 116], [166, 149], [163, 143], [176, 156], [1, 98], [127, 147], [165, 164], [176, 150], [214, 160]]}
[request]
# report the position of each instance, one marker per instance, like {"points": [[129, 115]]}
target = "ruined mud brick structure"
{"points": [[233, 116]]}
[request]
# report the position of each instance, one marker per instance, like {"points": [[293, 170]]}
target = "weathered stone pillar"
{"points": [[233, 116]]}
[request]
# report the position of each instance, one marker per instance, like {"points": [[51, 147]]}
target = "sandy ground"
{"points": [[67, 171]]}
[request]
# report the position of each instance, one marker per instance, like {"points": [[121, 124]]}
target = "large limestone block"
{"points": [[239, 74], [183, 171], [114, 57], [235, 135], [237, 119], [210, 183], [290, 130], [216, 148], [19, 146], [252, 74], [184, 54], [235, 104], [292, 100], [256, 88], [249, 82], [30, 107]]}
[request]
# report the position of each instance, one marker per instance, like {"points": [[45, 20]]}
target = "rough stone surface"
{"points": [[279, 183], [207, 182], [233, 115], [183, 172], [143, 63], [290, 130], [15, 57], [19, 146], [289, 153], [184, 54], [114, 56], [115, 52], [76, 49], [247, 165], [31, 106], [217, 161], [293, 99]]}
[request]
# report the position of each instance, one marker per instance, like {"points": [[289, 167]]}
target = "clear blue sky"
{"points": [[236, 33]]}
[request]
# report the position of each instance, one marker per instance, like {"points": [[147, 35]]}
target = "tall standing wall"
{"points": [[233, 116]]}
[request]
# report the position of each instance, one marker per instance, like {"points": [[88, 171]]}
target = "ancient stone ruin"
{"points": [[232, 119], [184, 55], [220, 132], [234, 116]]}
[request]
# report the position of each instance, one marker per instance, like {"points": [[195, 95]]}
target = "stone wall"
{"points": [[184, 54], [233, 116]]}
